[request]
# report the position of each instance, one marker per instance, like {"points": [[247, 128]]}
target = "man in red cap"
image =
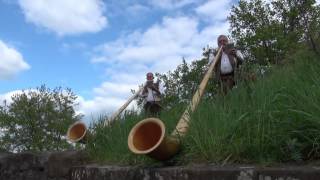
{"points": [[151, 94]]}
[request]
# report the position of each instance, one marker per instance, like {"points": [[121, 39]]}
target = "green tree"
{"points": [[299, 19], [252, 26], [181, 84], [37, 120], [267, 32]]}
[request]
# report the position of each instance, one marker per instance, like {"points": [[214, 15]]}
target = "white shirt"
{"points": [[225, 67], [152, 95]]}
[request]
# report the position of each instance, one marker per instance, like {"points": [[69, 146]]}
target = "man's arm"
{"points": [[238, 55], [144, 92], [155, 88]]}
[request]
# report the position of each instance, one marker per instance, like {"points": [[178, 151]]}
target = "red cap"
{"points": [[149, 76]]}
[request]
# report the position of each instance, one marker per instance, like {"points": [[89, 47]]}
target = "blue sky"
{"points": [[101, 49]]}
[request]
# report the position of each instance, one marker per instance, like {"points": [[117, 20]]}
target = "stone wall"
{"points": [[74, 165], [44, 166], [195, 173]]}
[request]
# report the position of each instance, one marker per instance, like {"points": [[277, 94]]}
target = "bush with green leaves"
{"points": [[37, 120], [269, 31]]}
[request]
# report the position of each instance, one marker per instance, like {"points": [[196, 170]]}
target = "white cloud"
{"points": [[7, 97], [97, 106], [161, 47], [108, 98], [159, 41], [65, 17], [214, 10], [317, 1], [158, 49], [114, 90], [11, 62]]}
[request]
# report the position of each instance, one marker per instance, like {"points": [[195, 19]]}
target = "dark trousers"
{"points": [[226, 82], [152, 109]]}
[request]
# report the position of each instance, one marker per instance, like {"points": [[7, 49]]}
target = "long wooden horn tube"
{"points": [[124, 106], [148, 136], [77, 132]]}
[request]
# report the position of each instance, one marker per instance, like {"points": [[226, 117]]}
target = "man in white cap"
{"points": [[228, 61]]}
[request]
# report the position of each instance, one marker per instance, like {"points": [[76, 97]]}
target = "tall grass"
{"points": [[109, 143], [276, 119]]}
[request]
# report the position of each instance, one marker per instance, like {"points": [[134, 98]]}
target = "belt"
{"points": [[228, 74]]}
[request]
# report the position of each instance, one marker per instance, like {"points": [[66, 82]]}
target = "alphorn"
{"points": [[117, 113], [147, 137], [77, 132]]}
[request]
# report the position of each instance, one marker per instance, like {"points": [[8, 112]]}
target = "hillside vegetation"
{"points": [[274, 119], [271, 116]]}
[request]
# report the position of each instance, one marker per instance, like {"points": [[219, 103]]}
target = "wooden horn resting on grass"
{"points": [[148, 136], [77, 132]]}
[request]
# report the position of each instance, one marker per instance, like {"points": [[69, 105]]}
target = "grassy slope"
{"points": [[276, 119]]}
